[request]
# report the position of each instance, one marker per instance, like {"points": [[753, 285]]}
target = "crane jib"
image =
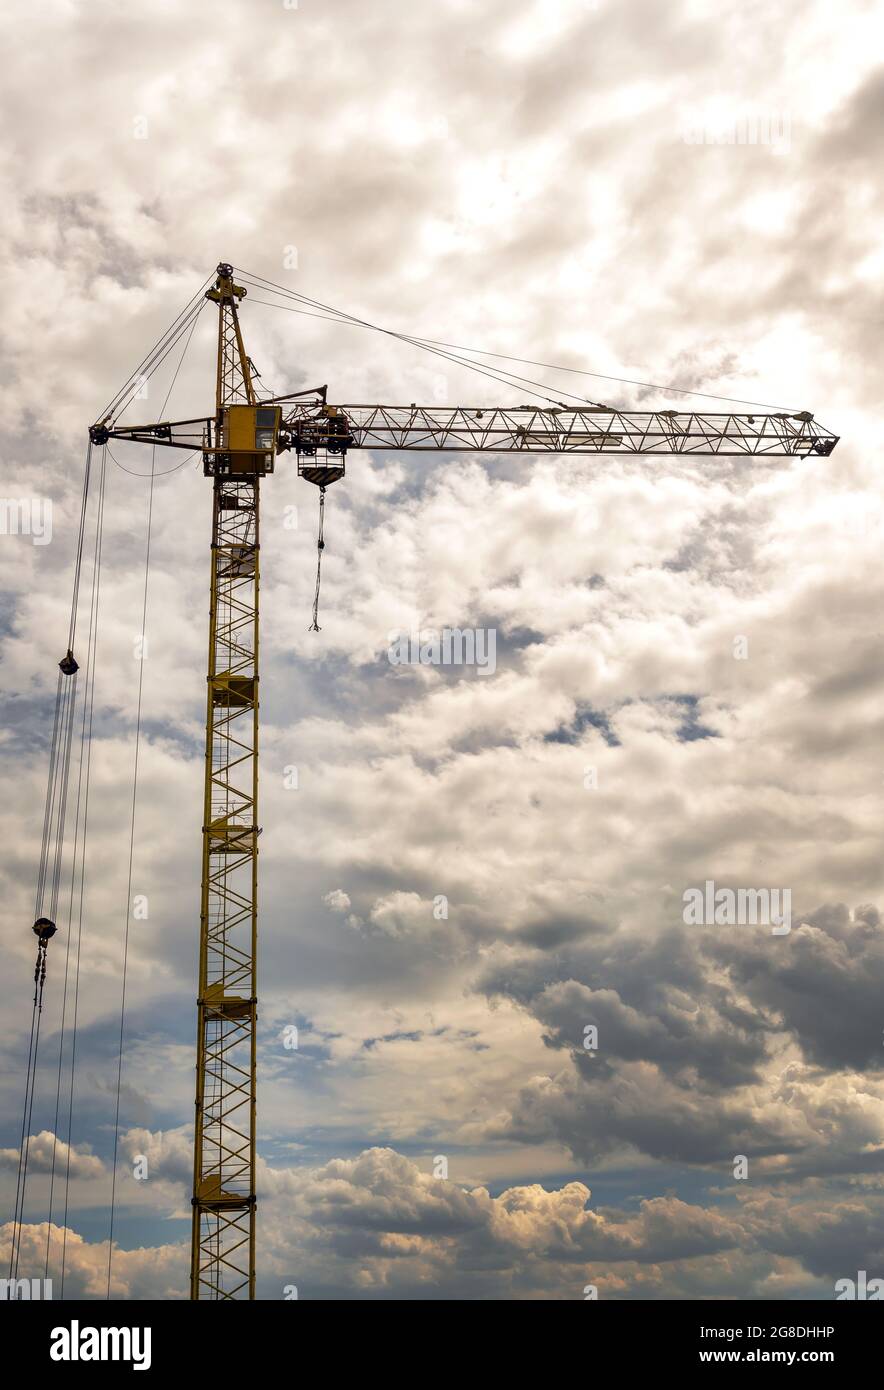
{"points": [[248, 438]]}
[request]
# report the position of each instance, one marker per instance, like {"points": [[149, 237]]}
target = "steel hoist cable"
{"points": [[77, 869], [125, 962], [50, 863], [33, 1044], [320, 546], [51, 860], [89, 704], [44, 934]]}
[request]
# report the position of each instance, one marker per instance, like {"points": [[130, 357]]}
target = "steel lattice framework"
{"points": [[525, 429], [562, 430], [239, 444], [223, 1240]]}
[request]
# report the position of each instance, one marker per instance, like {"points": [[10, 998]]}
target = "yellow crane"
{"points": [[240, 443]]}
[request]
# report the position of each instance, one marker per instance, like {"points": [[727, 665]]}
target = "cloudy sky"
{"points": [[684, 193]]}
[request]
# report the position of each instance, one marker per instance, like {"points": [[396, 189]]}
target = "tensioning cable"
{"points": [[89, 704], [125, 962], [50, 865], [77, 871], [445, 349]]}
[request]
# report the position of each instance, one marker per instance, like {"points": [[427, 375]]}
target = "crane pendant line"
{"points": [[239, 445]]}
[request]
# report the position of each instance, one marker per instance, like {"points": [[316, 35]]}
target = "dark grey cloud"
{"points": [[825, 988]]}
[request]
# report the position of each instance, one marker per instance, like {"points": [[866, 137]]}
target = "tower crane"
{"points": [[240, 443]]}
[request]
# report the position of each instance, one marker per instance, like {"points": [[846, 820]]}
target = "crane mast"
{"points": [[239, 445], [223, 1236]]}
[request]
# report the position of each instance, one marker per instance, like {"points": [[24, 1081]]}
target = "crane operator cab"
{"points": [[246, 442]]}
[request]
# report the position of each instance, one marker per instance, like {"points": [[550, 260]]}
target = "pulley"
{"points": [[44, 929]]}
